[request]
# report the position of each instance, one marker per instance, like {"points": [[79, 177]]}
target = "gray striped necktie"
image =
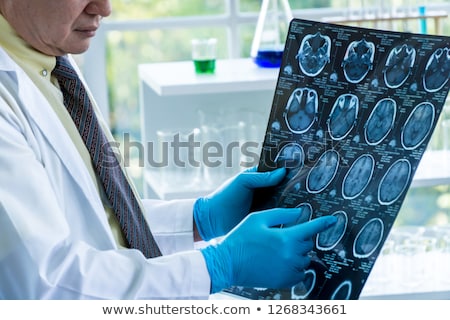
{"points": [[107, 167]]}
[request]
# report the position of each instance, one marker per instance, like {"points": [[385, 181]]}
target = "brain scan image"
{"points": [[398, 65], [394, 182], [301, 110], [342, 292], [320, 176], [305, 214], [380, 121], [368, 238], [358, 177], [314, 54], [343, 116], [437, 70], [288, 70], [418, 125], [328, 239], [358, 60], [334, 77], [303, 289], [291, 157], [276, 126], [413, 87], [375, 83]]}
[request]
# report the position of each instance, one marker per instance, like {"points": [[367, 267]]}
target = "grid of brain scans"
{"points": [[352, 114]]}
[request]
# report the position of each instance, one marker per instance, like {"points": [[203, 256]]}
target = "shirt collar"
{"points": [[23, 54]]}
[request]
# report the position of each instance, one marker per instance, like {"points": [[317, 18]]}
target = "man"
{"points": [[61, 236]]}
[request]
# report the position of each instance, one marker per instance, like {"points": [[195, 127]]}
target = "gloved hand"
{"points": [[216, 214], [257, 254]]}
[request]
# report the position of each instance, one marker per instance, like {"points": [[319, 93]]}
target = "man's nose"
{"points": [[99, 7]]}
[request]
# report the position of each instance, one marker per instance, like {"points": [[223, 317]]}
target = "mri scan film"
{"points": [[352, 119]]}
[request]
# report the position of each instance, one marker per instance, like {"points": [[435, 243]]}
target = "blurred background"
{"points": [[157, 31]]}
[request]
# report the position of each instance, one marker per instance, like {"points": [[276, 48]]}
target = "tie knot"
{"points": [[64, 69]]}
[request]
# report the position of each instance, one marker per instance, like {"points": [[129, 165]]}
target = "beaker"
{"points": [[204, 55], [270, 34]]}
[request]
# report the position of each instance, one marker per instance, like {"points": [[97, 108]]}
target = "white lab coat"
{"points": [[55, 241]]}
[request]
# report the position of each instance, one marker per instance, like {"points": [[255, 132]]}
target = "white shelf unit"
{"points": [[173, 95], [433, 169]]}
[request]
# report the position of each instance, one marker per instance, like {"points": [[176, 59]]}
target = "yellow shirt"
{"points": [[38, 67]]}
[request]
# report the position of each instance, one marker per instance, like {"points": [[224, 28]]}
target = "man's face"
{"points": [[56, 27]]}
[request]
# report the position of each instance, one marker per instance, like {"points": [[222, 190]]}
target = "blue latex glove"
{"points": [[258, 254], [216, 214]]}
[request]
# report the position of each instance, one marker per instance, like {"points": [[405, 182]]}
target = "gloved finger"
{"points": [[304, 246], [275, 217], [311, 228], [253, 179]]}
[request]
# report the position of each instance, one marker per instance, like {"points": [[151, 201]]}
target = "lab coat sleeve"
{"points": [[49, 250], [171, 223]]}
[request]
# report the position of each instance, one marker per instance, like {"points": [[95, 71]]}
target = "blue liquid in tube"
{"points": [[423, 21], [268, 58]]}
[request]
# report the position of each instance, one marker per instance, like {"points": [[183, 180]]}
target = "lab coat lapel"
{"points": [[38, 110]]}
